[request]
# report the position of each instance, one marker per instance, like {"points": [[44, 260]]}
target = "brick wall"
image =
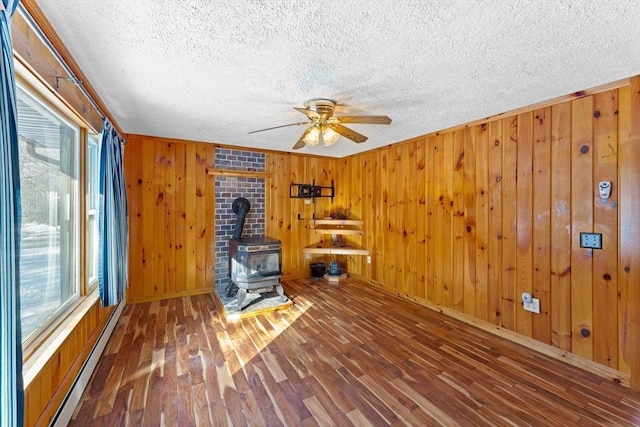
{"points": [[227, 189]]}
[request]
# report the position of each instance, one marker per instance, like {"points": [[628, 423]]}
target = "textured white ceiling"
{"points": [[214, 70]]}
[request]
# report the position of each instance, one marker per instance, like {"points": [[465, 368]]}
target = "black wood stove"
{"points": [[254, 262]]}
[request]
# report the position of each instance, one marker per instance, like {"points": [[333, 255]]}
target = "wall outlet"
{"points": [[533, 306], [368, 259], [307, 201], [307, 256], [591, 240]]}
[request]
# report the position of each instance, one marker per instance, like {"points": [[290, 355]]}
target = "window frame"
{"points": [[92, 194], [43, 93]]}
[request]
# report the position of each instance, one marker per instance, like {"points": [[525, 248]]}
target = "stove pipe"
{"points": [[240, 207]]}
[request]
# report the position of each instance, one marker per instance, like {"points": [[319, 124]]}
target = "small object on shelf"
{"points": [[339, 241], [338, 215], [334, 269]]}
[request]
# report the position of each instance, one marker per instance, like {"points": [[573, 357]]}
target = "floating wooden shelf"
{"points": [[328, 248], [336, 222], [328, 229], [336, 226]]}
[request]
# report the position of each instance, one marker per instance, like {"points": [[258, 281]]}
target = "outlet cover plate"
{"points": [[591, 240], [533, 306]]}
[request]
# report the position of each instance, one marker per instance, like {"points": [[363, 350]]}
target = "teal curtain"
{"points": [[113, 252], [11, 390]]}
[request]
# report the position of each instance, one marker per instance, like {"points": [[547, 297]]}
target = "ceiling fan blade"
{"points": [[377, 120], [348, 133], [300, 142], [309, 113], [281, 126]]}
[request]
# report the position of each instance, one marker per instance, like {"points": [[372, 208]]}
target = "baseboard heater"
{"points": [[71, 400]]}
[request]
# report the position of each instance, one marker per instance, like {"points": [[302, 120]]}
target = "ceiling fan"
{"points": [[325, 128]]}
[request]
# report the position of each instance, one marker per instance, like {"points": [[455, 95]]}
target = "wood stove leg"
{"points": [[280, 291], [242, 294]]}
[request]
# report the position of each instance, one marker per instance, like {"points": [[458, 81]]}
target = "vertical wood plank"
{"points": [[447, 220], [438, 218], [170, 219], [201, 220], [298, 231], [524, 255], [625, 355], [283, 211], [470, 277], [210, 217], [382, 220], [135, 182], [542, 223], [148, 203], [605, 219], [629, 243], [581, 221], [458, 220], [370, 215], [410, 218], [561, 226], [365, 186], [420, 219], [160, 219], [494, 276], [390, 235], [509, 302], [191, 214], [357, 186], [430, 205], [396, 187], [482, 221], [181, 215]]}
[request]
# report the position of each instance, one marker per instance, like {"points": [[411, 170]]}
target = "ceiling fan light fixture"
{"points": [[326, 129], [321, 134], [313, 137], [329, 136]]}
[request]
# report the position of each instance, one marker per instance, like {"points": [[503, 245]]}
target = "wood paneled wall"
{"points": [[48, 388], [289, 219], [171, 214], [171, 234], [471, 218]]}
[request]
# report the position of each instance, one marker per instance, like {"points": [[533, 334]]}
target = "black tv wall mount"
{"points": [[311, 191]]}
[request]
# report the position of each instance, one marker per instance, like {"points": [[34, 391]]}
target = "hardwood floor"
{"points": [[342, 355]]}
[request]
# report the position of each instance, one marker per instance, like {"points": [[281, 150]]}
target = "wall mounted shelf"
{"points": [[336, 227]]}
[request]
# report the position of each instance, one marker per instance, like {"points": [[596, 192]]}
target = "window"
{"points": [[93, 194], [49, 164]]}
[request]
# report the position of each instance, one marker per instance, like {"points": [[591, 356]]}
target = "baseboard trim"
{"points": [[71, 400]]}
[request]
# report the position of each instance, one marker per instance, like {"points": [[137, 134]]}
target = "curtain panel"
{"points": [[11, 389], [113, 256]]}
